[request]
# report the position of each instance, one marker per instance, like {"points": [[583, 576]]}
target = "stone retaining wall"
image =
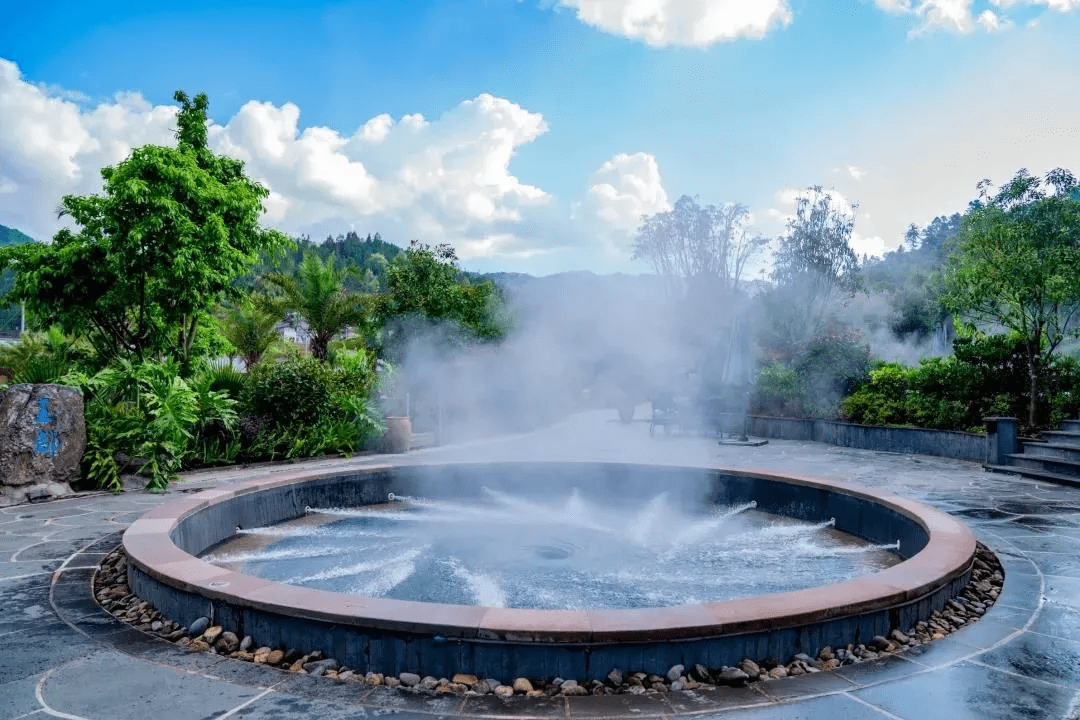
{"points": [[942, 443]]}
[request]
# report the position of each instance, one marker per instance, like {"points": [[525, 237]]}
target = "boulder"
{"points": [[42, 439]]}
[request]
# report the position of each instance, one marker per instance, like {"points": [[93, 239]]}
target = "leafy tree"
{"points": [[1017, 265], [318, 296], [424, 284], [813, 267], [698, 249], [158, 248], [815, 253]]}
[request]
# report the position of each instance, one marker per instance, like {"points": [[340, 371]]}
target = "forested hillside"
{"points": [[9, 315]]}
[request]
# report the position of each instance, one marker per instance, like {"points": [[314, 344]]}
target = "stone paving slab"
{"points": [[109, 683], [61, 655], [969, 691]]}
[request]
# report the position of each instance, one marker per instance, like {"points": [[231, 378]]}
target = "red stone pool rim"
{"points": [[395, 635]]}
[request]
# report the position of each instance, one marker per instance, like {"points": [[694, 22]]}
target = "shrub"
{"points": [[828, 369], [302, 407], [883, 400], [293, 394], [777, 392], [144, 413], [985, 377]]}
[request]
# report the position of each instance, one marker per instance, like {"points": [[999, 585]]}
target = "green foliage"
{"points": [[815, 259], [700, 251], [45, 357], [172, 409], [825, 370], [249, 325], [290, 394], [163, 242], [317, 295], [363, 415], [829, 368], [10, 315], [147, 415], [985, 377], [227, 380], [368, 257], [424, 287], [303, 407], [1017, 266], [777, 392], [214, 438], [110, 429], [354, 371]]}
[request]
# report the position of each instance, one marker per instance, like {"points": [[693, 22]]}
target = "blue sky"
{"points": [[549, 127]]}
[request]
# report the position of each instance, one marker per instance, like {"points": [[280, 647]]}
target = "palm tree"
{"points": [[251, 325], [317, 294]]}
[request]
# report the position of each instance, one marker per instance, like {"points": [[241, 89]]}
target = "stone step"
{"points": [[1035, 474], [1053, 450], [1061, 437], [1050, 465], [1071, 426]]}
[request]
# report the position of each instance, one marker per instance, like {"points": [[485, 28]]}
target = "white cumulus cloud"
{"points": [[992, 22], [50, 146], [1058, 5], [960, 16], [954, 15], [694, 23], [622, 190], [443, 179], [625, 188]]}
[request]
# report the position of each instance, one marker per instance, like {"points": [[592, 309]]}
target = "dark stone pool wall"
{"points": [[397, 636], [920, 441]]}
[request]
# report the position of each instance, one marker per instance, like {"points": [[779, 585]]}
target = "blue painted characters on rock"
{"points": [[48, 439]]}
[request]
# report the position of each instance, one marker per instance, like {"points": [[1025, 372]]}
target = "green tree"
{"points": [[154, 251], [318, 296], [250, 326], [1017, 265], [814, 267], [815, 252], [698, 249], [424, 283]]}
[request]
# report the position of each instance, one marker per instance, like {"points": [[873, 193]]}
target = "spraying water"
{"points": [[559, 552]]}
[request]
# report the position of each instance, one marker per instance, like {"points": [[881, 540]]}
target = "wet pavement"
{"points": [[62, 656]]}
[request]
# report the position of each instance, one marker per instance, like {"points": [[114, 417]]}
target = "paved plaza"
{"points": [[62, 656]]}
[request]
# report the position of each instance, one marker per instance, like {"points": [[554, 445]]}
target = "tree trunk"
{"points": [[1033, 373], [319, 347]]}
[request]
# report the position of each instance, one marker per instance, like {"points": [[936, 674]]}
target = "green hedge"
{"points": [[985, 376]]}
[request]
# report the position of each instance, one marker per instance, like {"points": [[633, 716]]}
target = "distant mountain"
{"points": [[9, 316], [11, 236]]}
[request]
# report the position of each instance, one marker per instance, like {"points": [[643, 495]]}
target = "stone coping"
{"points": [[946, 556]]}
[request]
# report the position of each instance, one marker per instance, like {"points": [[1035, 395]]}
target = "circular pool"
{"points": [[581, 641]]}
